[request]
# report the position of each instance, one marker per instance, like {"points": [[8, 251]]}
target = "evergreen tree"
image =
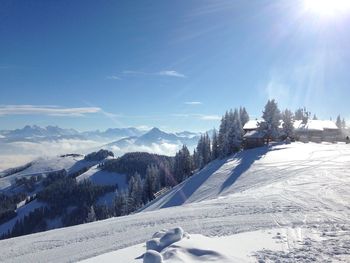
{"points": [[230, 133], [302, 114], [235, 133], [244, 117], [118, 203], [271, 117], [306, 116], [151, 183], [91, 217], [299, 114], [343, 124], [183, 165], [203, 151], [315, 117], [288, 127], [215, 146], [136, 190], [195, 159], [223, 130], [339, 122]]}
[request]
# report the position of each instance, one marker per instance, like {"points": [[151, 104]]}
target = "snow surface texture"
{"points": [[287, 202]]}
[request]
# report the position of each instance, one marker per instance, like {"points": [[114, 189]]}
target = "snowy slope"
{"points": [[101, 177], [44, 165], [21, 213], [252, 169], [296, 196]]}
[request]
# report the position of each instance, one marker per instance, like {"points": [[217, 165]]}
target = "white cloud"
{"points": [[45, 110], [210, 117], [113, 77], [181, 115], [167, 73], [204, 117], [18, 153], [171, 73], [193, 103]]}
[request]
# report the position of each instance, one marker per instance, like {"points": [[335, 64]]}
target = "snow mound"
{"points": [[152, 256], [182, 254], [164, 238], [162, 248]]}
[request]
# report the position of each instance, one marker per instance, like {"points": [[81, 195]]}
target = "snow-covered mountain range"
{"points": [[37, 133], [23, 145], [157, 137]]}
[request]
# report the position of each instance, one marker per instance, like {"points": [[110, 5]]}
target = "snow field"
{"points": [[234, 208]]}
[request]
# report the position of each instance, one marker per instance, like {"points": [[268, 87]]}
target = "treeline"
{"points": [[137, 162], [98, 156], [8, 205], [64, 197]]}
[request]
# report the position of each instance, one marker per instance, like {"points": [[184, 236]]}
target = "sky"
{"points": [[176, 65]]}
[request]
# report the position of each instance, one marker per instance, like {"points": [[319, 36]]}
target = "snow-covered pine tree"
{"points": [[244, 116], [203, 150], [302, 114], [215, 146], [135, 190], [91, 216], [223, 134], [151, 183], [271, 117], [299, 114], [234, 134], [183, 165], [339, 122], [288, 127], [343, 124], [195, 160], [119, 203]]}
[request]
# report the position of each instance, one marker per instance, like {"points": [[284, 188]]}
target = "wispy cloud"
{"points": [[167, 73], [171, 73], [46, 110], [193, 103], [113, 77], [209, 117], [204, 117]]}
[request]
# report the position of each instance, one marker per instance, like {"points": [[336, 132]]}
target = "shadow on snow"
{"points": [[245, 160]]}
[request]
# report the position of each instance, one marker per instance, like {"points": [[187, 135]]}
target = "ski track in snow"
{"points": [[302, 189]]}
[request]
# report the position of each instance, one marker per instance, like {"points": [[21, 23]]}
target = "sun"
{"points": [[327, 7]]}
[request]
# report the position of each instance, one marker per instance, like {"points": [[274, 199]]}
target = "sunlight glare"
{"points": [[327, 7]]}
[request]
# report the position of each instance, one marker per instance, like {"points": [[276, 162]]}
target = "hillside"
{"points": [[286, 202]]}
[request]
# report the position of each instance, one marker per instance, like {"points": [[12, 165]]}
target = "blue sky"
{"points": [[177, 65]]}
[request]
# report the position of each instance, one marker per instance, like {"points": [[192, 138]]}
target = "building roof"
{"points": [[311, 125], [254, 135], [252, 125], [316, 125]]}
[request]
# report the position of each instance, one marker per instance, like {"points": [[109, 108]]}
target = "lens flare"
{"points": [[327, 7]]}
